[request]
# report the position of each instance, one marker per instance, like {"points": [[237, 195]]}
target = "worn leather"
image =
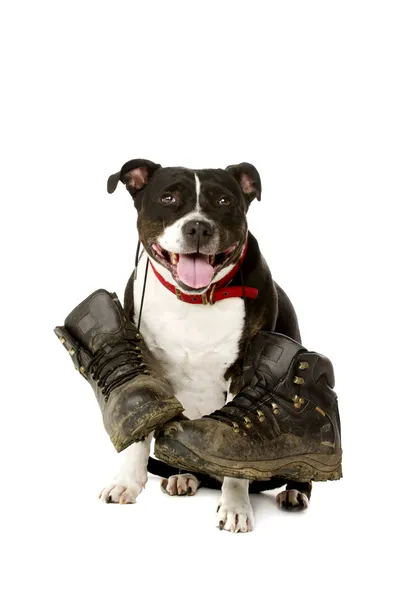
{"points": [[271, 418], [132, 392]]}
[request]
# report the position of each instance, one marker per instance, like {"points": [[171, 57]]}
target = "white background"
{"points": [[307, 92]]}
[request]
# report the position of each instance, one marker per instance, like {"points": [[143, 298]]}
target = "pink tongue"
{"points": [[195, 271]]}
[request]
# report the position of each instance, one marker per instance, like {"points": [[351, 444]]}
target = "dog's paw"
{"points": [[122, 492], [185, 484], [235, 518], [292, 500]]}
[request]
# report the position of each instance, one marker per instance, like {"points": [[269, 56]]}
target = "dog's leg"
{"points": [[132, 476], [296, 496], [184, 484], [234, 512]]}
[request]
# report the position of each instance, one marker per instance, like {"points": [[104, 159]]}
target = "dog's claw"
{"points": [[184, 484], [236, 519], [292, 500]]}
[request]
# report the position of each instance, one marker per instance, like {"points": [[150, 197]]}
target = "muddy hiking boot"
{"points": [[284, 423], [106, 348]]}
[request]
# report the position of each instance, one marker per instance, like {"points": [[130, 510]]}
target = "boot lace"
{"points": [[124, 356], [255, 404]]}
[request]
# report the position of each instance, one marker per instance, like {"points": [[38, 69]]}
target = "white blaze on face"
{"points": [[197, 187]]}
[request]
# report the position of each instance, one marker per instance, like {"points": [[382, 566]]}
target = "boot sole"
{"points": [[121, 441], [304, 467]]}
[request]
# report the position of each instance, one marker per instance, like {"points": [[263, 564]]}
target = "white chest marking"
{"points": [[195, 344]]}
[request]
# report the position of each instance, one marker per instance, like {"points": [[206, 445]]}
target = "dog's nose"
{"points": [[198, 232]]}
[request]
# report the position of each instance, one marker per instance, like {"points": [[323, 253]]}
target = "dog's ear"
{"points": [[248, 178], [135, 174]]}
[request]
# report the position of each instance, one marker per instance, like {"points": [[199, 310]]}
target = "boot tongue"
{"points": [[96, 320], [194, 270], [272, 355]]}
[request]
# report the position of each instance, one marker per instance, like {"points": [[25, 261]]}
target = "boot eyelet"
{"points": [[235, 426], [297, 401], [247, 421], [261, 416], [62, 340], [82, 370], [303, 365], [275, 408], [298, 380], [72, 351], [137, 336]]}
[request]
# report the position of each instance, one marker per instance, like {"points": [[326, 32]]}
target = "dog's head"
{"points": [[192, 223]]}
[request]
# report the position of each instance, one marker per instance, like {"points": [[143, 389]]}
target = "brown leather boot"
{"points": [[106, 348], [284, 423]]}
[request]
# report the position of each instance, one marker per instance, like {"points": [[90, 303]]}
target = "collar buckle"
{"points": [[211, 294]]}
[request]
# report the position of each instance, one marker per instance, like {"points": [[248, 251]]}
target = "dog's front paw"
{"points": [[122, 492], [235, 518], [292, 500], [185, 484]]}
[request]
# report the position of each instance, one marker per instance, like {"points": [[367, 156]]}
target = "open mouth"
{"points": [[195, 270]]}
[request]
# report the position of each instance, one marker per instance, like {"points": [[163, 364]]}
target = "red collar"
{"points": [[216, 291]]}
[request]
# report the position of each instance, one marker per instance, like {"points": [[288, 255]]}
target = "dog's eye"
{"points": [[225, 201], [167, 199]]}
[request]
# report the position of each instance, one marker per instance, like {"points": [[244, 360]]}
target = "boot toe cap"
{"points": [[134, 411]]}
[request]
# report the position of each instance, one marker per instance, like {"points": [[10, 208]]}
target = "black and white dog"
{"points": [[208, 292]]}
